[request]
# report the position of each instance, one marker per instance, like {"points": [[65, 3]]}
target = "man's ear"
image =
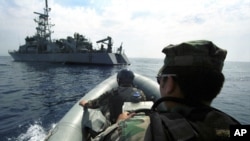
{"points": [[162, 84], [170, 85]]}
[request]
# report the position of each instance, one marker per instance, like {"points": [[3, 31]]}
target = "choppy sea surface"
{"points": [[35, 96]]}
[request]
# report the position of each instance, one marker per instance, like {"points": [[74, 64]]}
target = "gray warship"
{"points": [[77, 49]]}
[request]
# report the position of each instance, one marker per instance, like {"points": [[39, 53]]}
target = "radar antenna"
{"points": [[43, 28]]}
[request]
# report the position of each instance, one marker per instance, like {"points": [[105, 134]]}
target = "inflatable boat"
{"points": [[69, 128]]}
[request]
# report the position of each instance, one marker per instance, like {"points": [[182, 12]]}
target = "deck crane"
{"points": [[109, 43]]}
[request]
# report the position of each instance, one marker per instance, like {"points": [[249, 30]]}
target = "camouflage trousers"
{"points": [[132, 129]]}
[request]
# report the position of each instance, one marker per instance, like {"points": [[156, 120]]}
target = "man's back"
{"points": [[110, 103], [121, 95]]}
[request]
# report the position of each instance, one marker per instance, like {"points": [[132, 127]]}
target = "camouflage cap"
{"points": [[199, 53]]}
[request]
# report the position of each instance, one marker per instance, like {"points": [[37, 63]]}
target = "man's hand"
{"points": [[83, 103], [124, 116]]}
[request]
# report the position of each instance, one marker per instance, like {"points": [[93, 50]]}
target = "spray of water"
{"points": [[34, 133]]}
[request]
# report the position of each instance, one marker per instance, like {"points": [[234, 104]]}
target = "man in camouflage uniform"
{"points": [[189, 80], [111, 102]]}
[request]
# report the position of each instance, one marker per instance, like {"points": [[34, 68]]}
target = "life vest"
{"points": [[199, 123]]}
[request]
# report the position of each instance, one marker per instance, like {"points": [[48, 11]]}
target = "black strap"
{"points": [[156, 127], [178, 100], [171, 129], [190, 103], [179, 128]]}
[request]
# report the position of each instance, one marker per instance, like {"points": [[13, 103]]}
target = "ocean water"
{"points": [[35, 96]]}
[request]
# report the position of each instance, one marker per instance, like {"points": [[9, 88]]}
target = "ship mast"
{"points": [[43, 28]]}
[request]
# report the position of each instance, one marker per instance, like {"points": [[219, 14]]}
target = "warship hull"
{"points": [[99, 58]]}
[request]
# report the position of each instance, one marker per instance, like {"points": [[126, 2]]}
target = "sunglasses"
{"points": [[159, 77]]}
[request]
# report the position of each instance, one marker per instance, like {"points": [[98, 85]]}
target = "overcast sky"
{"points": [[144, 26]]}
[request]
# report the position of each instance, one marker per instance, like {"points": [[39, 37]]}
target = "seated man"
{"points": [[113, 100], [189, 80]]}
